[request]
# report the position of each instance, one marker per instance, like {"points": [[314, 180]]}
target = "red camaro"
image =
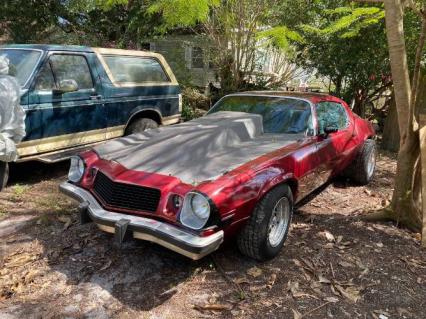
{"points": [[237, 171]]}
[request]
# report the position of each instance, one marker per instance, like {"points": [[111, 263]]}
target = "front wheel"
{"points": [[266, 231], [4, 174]]}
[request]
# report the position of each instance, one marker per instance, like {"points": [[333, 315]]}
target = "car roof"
{"points": [[48, 47], [311, 96]]}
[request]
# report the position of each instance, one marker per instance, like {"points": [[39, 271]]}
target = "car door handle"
{"points": [[96, 97]]}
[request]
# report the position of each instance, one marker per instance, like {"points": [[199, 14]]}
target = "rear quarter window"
{"points": [[129, 69]]}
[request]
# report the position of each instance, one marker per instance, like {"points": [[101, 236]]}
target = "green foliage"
{"points": [[351, 20], [178, 13], [109, 4], [280, 37]]}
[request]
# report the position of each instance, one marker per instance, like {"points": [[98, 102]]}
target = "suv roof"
{"points": [[49, 47]]}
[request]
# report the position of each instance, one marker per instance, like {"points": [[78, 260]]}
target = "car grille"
{"points": [[125, 196]]}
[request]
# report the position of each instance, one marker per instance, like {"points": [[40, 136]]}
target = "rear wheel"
{"points": [[4, 174], [266, 231], [140, 125], [362, 169]]}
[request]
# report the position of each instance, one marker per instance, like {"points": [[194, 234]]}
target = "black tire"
{"points": [[359, 170], [4, 175], [140, 125], [253, 241]]}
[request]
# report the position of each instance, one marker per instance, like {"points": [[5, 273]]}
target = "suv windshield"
{"points": [[22, 63], [280, 115]]}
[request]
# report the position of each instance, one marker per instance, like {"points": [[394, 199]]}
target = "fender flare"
{"points": [[282, 178], [141, 109]]}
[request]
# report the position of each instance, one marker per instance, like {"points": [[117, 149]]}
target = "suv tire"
{"points": [[140, 125]]}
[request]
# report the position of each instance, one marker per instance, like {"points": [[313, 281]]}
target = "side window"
{"points": [[331, 114], [71, 67], [45, 80], [197, 58], [128, 69]]}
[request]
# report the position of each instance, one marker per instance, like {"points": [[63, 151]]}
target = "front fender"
{"points": [[280, 178]]}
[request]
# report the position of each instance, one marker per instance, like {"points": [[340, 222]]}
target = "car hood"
{"points": [[198, 150]]}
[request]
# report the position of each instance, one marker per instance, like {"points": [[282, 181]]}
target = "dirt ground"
{"points": [[333, 264]]}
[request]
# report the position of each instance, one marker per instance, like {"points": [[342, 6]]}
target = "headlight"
{"points": [[195, 211], [77, 168]]}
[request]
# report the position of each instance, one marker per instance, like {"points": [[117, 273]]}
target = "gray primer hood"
{"points": [[198, 150]]}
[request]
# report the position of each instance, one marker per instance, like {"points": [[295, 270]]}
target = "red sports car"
{"points": [[237, 171]]}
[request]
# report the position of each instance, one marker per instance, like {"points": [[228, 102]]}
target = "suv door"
{"points": [[61, 120], [331, 148]]}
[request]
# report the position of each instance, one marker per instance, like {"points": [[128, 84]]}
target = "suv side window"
{"points": [[45, 80], [129, 69], [61, 67], [331, 114], [72, 67]]}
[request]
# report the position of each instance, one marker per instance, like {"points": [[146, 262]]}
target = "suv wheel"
{"points": [[266, 231], [140, 125]]}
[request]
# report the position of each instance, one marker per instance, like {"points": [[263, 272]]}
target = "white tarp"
{"points": [[12, 116]]}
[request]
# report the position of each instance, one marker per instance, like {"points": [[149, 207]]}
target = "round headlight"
{"points": [[195, 211], [77, 168], [200, 206]]}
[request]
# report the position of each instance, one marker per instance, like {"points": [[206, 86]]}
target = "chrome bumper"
{"points": [[169, 236]]}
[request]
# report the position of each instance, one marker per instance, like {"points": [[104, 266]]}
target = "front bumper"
{"points": [[169, 236]]}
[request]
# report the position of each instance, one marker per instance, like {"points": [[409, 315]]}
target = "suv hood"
{"points": [[198, 150]]}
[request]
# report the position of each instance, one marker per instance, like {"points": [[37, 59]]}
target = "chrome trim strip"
{"points": [[171, 119], [147, 229]]}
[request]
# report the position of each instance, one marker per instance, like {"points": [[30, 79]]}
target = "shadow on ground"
{"points": [[33, 172]]}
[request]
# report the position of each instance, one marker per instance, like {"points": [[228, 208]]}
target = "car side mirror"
{"points": [[327, 130], [330, 129], [66, 86]]}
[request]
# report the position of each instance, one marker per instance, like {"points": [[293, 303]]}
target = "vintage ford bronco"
{"points": [[76, 96], [239, 170]]}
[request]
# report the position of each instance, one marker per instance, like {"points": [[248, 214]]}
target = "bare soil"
{"points": [[333, 264]]}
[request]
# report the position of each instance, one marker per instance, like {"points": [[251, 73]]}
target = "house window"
{"points": [[197, 61], [145, 46]]}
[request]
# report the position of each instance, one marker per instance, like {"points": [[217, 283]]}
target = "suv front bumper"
{"points": [[164, 234]]}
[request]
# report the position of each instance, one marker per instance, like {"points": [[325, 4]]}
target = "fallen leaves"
{"points": [[65, 220], [296, 314], [327, 235], [213, 307], [271, 280], [254, 272], [106, 265], [351, 293], [293, 287]]}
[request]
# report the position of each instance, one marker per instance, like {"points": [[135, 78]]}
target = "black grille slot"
{"points": [[125, 196]]}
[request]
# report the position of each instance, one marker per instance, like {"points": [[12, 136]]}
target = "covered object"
{"points": [[12, 116]]}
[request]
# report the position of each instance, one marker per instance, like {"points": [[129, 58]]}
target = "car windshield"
{"points": [[280, 115], [21, 63]]}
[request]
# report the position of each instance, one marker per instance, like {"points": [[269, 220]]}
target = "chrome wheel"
{"points": [[279, 221], [371, 163]]}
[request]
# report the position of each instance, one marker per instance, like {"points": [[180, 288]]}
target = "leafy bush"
{"points": [[195, 104]]}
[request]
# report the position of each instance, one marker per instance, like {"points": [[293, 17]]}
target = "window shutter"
{"points": [[188, 56]]}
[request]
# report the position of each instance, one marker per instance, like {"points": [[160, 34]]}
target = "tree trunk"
{"points": [[402, 208], [390, 138], [398, 61], [423, 181]]}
